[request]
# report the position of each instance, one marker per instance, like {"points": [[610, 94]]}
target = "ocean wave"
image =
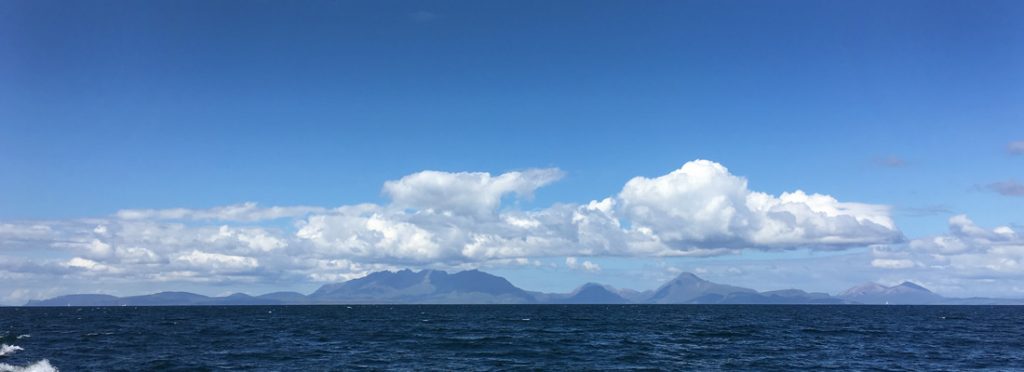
{"points": [[40, 366], [6, 349], [24, 336]]}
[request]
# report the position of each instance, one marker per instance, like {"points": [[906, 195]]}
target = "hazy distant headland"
{"points": [[477, 287]]}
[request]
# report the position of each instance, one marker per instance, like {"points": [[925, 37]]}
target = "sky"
{"points": [[255, 146]]}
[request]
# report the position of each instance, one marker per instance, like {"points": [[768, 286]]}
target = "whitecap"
{"points": [[24, 336], [6, 349], [40, 366]]}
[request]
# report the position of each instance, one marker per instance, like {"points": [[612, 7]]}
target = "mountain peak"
{"points": [[869, 287], [593, 293], [913, 285], [689, 288], [590, 286], [904, 293], [689, 277], [424, 286]]}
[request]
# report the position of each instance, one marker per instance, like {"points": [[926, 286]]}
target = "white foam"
{"points": [[40, 366], [6, 349], [24, 336]]}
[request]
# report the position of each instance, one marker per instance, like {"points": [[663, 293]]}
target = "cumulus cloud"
{"points": [[465, 193], [574, 264], [87, 264], [379, 234], [370, 233], [703, 205], [253, 238], [966, 237], [153, 250], [454, 218], [966, 251]]}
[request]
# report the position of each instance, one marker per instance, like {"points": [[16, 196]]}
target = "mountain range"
{"points": [[477, 287]]}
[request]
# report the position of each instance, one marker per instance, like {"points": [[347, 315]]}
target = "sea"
{"points": [[512, 337]]}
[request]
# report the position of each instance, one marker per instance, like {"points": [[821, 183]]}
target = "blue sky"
{"points": [[108, 106]]}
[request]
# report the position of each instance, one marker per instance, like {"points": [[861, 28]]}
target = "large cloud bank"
{"points": [[441, 219]]}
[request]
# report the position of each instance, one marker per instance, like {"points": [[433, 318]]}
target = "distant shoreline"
{"points": [[474, 287]]}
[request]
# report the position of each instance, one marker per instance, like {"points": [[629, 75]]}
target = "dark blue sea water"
{"points": [[415, 337]]}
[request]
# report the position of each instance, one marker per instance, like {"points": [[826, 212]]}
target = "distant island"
{"points": [[477, 287]]}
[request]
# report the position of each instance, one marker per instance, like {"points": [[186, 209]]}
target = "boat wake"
{"points": [[40, 366], [6, 349]]}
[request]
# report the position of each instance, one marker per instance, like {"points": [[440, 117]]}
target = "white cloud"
{"points": [[574, 264], [237, 212], [10, 231], [217, 261], [369, 233], [338, 270], [254, 238], [888, 263], [702, 205], [89, 265], [82, 263], [700, 209], [465, 193], [966, 237], [137, 255], [968, 251], [98, 248]]}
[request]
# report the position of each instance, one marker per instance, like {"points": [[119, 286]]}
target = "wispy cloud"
{"points": [[890, 161], [237, 212], [1007, 188], [1015, 148], [888, 263], [928, 210]]}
